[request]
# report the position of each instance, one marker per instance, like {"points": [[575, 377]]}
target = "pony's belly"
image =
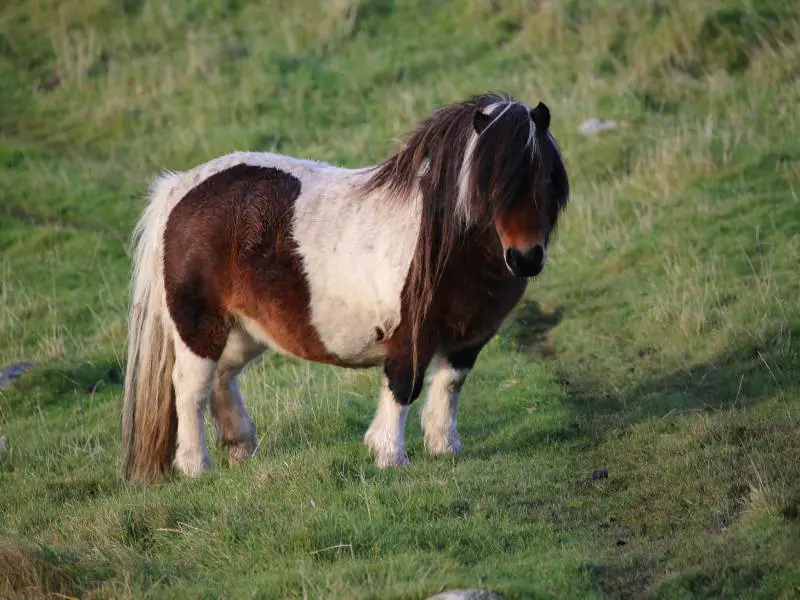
{"points": [[371, 356], [367, 355], [354, 342]]}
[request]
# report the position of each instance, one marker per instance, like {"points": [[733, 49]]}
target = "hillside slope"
{"points": [[661, 344]]}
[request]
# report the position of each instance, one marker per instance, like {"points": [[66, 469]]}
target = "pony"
{"points": [[411, 264]]}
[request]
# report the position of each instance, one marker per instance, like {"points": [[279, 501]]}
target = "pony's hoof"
{"points": [[193, 464], [239, 452], [443, 446], [240, 445], [390, 460], [386, 455]]}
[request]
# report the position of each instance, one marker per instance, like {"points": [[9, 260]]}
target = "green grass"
{"points": [[661, 343]]}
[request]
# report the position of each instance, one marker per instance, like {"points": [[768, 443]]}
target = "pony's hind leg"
{"points": [[440, 414], [234, 426], [192, 380]]}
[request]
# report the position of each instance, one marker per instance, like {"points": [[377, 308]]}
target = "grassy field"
{"points": [[662, 342]]}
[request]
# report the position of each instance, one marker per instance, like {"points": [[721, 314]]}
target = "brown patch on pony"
{"points": [[228, 251], [475, 294], [505, 171]]}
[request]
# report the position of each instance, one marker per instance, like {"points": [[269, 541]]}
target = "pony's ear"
{"points": [[481, 121], [541, 117]]}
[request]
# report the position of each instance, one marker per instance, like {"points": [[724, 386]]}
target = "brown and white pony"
{"points": [[412, 264]]}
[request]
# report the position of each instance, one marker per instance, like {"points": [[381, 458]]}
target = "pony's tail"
{"points": [[149, 418]]}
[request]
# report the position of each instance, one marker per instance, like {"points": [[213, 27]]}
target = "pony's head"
{"points": [[516, 180], [488, 161]]}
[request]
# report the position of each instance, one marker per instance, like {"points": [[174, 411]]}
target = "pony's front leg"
{"points": [[440, 415], [386, 435]]}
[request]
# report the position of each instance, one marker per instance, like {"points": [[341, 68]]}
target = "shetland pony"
{"points": [[412, 264]]}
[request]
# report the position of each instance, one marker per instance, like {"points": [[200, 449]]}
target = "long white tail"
{"points": [[149, 419]]}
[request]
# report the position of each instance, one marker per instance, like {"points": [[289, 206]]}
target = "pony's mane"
{"points": [[432, 155], [435, 162]]}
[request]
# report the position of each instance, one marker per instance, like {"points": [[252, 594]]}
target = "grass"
{"points": [[661, 343]]}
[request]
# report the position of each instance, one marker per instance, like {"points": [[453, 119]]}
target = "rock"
{"points": [[3, 442], [49, 83], [594, 125], [112, 376], [13, 371], [470, 594]]}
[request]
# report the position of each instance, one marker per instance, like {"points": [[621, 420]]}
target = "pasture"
{"points": [[632, 431]]}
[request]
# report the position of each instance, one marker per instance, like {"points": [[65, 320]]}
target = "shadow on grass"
{"points": [[530, 327], [63, 382], [740, 377], [591, 406], [512, 423]]}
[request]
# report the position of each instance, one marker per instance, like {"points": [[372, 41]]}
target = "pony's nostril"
{"points": [[536, 256], [511, 258]]}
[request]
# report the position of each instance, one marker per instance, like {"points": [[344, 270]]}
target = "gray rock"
{"points": [[594, 125], [12, 372], [470, 594], [3, 442]]}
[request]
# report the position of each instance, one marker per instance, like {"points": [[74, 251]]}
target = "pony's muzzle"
{"points": [[528, 263]]}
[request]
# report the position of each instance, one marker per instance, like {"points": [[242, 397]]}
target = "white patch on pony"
{"points": [[424, 167], [192, 378], [356, 254], [531, 135], [386, 435], [464, 201], [149, 233], [440, 414]]}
